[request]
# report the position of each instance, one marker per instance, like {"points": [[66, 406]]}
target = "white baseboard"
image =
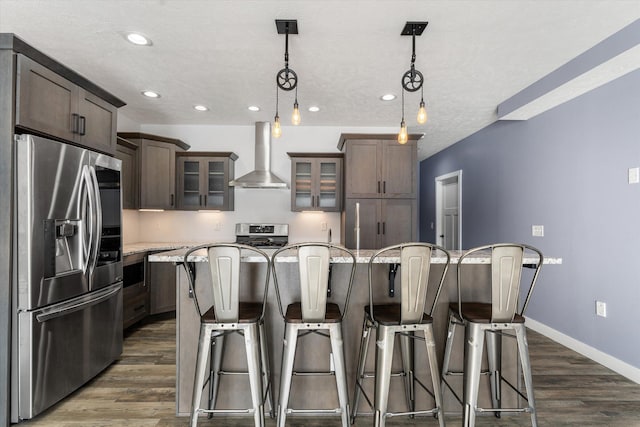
{"points": [[594, 354]]}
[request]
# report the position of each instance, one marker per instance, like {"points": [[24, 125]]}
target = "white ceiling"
{"points": [[225, 54]]}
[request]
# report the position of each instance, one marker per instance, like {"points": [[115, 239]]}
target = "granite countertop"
{"points": [[136, 248], [362, 257]]}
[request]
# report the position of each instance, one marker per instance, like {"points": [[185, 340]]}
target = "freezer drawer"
{"points": [[64, 345]]}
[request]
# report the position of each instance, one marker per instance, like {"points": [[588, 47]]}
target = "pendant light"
{"points": [[276, 130], [412, 80], [403, 136], [286, 78]]}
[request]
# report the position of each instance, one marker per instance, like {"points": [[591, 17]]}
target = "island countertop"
{"points": [[362, 257]]}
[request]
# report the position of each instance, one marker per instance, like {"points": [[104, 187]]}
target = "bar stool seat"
{"points": [[390, 314], [491, 321], [313, 314], [294, 313], [248, 312], [228, 314], [479, 312], [402, 319]]}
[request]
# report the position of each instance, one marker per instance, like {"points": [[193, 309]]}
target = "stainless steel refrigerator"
{"points": [[67, 322]]}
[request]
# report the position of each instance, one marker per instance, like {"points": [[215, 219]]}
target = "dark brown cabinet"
{"points": [[161, 279], [380, 168], [203, 180], [156, 169], [381, 175], [127, 152], [316, 181], [48, 103], [383, 222]]}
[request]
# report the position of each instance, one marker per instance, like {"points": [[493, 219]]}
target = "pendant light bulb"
{"points": [[295, 116], [403, 137], [422, 113], [276, 130]]}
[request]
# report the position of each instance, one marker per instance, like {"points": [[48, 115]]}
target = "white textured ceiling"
{"points": [[225, 54]]}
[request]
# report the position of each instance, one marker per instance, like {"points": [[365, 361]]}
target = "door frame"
{"points": [[439, 181]]}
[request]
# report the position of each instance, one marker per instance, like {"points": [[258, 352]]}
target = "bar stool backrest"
{"points": [[415, 267], [506, 270], [223, 260], [314, 280], [506, 274], [313, 263]]}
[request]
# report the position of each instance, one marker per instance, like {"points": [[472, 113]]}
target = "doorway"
{"points": [[449, 210]]}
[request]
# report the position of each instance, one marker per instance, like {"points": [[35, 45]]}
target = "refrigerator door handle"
{"points": [[71, 307], [88, 218], [98, 215]]}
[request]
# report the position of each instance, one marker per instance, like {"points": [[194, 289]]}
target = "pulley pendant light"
{"points": [[286, 78], [412, 80]]}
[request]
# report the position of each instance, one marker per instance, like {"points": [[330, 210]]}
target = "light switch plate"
{"points": [[634, 175], [601, 309], [537, 230]]}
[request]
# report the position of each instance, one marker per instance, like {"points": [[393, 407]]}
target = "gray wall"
{"points": [[567, 170]]}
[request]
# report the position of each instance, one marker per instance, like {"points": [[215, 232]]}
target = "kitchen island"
{"points": [[313, 351]]}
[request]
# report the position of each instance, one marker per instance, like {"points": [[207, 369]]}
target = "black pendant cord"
{"points": [[277, 100], [403, 105]]}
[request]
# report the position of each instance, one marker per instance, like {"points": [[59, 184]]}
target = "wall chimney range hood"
{"points": [[261, 176]]}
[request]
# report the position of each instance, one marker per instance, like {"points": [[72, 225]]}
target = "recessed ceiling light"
{"points": [[314, 108], [138, 39], [388, 97], [253, 108], [150, 94], [201, 108]]}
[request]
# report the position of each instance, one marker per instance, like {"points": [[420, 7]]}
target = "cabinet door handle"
{"points": [[378, 228], [313, 201], [378, 186], [83, 125], [205, 200], [200, 201], [384, 186], [317, 201], [74, 122], [172, 200]]}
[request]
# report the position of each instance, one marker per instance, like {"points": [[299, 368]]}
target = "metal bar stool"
{"points": [[402, 318], [313, 314], [228, 315], [491, 320]]}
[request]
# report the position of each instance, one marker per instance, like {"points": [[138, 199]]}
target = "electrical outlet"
{"points": [[634, 175], [323, 226], [601, 308], [537, 230], [218, 226]]}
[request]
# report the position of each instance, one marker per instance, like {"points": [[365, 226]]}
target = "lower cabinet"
{"points": [[383, 222], [161, 277], [135, 295], [135, 304]]}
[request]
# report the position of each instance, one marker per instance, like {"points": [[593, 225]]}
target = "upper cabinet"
{"points": [[127, 152], [202, 180], [316, 181], [379, 168], [48, 103], [157, 169]]}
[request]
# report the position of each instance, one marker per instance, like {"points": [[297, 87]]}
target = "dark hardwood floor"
{"points": [[138, 390]]}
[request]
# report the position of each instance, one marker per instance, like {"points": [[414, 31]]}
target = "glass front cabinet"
{"points": [[203, 180], [316, 182]]}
